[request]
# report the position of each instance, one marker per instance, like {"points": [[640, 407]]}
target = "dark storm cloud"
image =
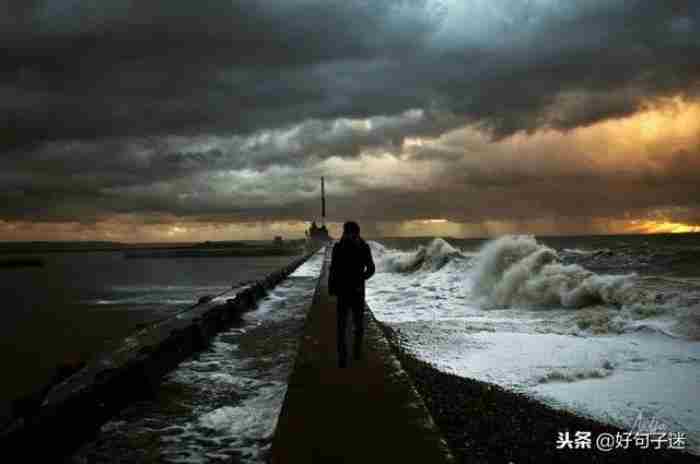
{"points": [[127, 106], [83, 69], [577, 65]]}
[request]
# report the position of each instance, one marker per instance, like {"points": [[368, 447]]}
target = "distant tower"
{"points": [[315, 233], [323, 202]]}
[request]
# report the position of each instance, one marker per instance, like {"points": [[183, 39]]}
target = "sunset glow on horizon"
{"points": [[652, 227]]}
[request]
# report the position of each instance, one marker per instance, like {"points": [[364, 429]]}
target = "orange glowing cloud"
{"points": [[661, 227]]}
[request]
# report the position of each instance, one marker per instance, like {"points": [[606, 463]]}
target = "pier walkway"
{"points": [[368, 412]]}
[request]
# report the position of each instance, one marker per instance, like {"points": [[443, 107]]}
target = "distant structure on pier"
{"points": [[317, 235]]}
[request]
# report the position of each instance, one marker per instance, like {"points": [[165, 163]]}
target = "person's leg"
{"points": [[342, 321], [358, 312]]}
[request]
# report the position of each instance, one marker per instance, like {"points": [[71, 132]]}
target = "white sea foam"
{"points": [[577, 251], [515, 315], [255, 417], [312, 266], [138, 296], [573, 374]]}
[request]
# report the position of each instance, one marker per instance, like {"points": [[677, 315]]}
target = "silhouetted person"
{"points": [[351, 265]]}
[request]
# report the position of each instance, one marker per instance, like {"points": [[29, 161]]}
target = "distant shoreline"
{"points": [[200, 249], [16, 263]]}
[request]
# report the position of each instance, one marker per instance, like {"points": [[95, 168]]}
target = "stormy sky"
{"points": [[149, 120]]}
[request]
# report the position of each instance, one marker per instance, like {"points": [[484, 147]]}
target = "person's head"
{"points": [[351, 229]]}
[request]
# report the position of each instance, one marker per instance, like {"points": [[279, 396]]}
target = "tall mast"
{"points": [[323, 202]]}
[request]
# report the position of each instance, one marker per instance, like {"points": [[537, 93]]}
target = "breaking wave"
{"points": [[517, 270], [432, 257]]}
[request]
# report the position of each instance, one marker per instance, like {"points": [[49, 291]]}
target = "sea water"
{"points": [[608, 327], [604, 326], [222, 404], [79, 303]]}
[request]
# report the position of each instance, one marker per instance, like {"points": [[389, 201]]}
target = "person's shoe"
{"points": [[342, 363]]}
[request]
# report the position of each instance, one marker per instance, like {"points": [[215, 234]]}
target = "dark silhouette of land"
{"points": [[21, 262], [162, 250]]}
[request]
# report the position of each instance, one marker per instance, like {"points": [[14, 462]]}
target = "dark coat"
{"points": [[351, 265]]}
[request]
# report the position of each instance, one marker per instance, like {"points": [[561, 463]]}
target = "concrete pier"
{"points": [[368, 412]]}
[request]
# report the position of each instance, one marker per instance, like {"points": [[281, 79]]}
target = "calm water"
{"points": [[77, 303]]}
